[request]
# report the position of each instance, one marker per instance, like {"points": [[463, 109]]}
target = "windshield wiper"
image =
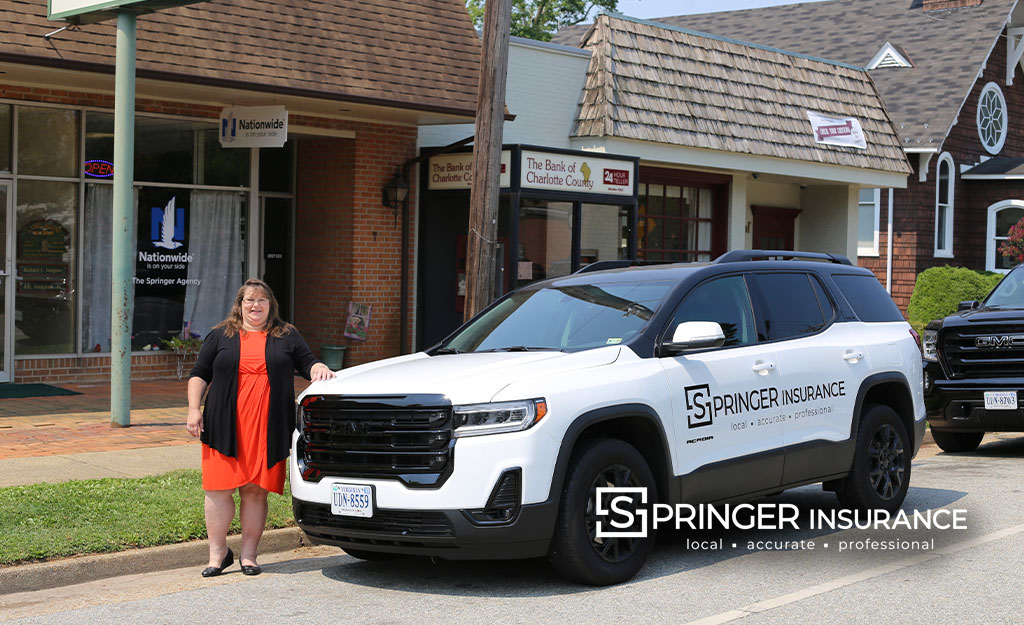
{"points": [[448, 350], [521, 348]]}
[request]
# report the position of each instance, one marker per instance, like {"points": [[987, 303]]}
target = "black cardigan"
{"points": [[217, 365]]}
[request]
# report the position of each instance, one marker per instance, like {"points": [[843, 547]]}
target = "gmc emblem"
{"points": [[1000, 342]]}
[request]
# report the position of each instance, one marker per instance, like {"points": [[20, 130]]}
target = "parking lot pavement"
{"points": [[968, 575]]}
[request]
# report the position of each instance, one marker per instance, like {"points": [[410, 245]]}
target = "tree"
{"points": [[540, 19]]}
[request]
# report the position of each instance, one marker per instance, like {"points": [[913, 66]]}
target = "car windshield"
{"points": [[1009, 293], [574, 317]]}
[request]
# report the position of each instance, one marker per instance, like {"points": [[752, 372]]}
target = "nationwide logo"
{"points": [[167, 226], [1010, 341], [228, 128]]}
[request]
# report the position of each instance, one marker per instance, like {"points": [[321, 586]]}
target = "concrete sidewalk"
{"points": [[70, 437]]}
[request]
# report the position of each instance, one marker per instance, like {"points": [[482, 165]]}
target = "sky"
{"points": [[661, 8]]}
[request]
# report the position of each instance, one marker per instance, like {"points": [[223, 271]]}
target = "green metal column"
{"points": [[123, 265]]}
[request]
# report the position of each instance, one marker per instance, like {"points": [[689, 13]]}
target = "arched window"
{"points": [[945, 180], [1001, 216]]}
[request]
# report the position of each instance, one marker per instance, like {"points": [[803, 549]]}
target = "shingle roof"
{"points": [[421, 54], [650, 82], [948, 48]]}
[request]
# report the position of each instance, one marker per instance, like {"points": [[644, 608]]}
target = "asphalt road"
{"points": [[967, 575]]}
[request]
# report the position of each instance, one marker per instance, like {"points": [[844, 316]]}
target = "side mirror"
{"points": [[969, 305], [691, 335]]}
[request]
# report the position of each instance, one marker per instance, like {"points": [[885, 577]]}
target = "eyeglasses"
{"points": [[250, 302]]}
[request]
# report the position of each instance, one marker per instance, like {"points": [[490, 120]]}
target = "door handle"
{"points": [[852, 357], [763, 368]]}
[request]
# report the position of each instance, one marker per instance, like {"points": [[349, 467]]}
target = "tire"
{"points": [[371, 556], [880, 476], [954, 442], [576, 552]]}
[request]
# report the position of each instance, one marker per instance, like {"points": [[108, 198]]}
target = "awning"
{"points": [[999, 168]]}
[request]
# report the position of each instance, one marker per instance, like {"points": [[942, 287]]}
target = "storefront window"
{"points": [[675, 223], [221, 167], [604, 233], [47, 142], [5, 138], [96, 265], [99, 146], [276, 168], [45, 294], [188, 261], [164, 150], [545, 240]]}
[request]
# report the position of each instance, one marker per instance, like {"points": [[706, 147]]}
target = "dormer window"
{"points": [[889, 56]]}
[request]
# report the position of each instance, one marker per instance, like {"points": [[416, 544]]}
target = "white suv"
{"points": [[702, 383]]}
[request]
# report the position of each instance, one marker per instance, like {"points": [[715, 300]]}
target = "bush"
{"points": [[939, 289]]}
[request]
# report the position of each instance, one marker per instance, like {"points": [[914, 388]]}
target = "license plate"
{"points": [[1000, 400], [352, 500]]}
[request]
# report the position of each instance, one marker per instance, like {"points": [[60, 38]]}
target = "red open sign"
{"points": [[99, 169]]}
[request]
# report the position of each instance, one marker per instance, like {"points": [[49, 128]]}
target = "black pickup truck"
{"points": [[974, 368]]}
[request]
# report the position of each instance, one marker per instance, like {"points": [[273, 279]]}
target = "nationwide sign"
{"points": [[90, 11], [577, 173], [844, 131], [253, 127]]}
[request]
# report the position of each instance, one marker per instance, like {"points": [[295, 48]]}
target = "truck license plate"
{"points": [[1000, 400], [352, 500]]}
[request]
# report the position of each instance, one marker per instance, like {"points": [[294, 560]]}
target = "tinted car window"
{"points": [[867, 297], [793, 306], [1009, 293], [724, 301], [571, 317]]}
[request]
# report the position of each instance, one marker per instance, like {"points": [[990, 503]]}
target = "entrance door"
{"points": [[6, 284], [773, 227], [276, 251]]}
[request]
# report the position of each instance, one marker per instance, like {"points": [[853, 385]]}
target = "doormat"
{"points": [[12, 391]]}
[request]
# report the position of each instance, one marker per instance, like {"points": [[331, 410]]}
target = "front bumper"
{"points": [[442, 533], [960, 404]]}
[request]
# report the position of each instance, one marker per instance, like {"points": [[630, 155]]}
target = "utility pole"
{"points": [[483, 196]]}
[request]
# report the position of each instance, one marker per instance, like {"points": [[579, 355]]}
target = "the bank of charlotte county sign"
{"points": [[90, 11], [253, 127]]}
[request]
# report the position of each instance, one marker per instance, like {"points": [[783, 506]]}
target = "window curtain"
{"points": [[215, 243], [97, 257]]}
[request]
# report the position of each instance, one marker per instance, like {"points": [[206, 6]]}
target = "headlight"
{"points": [[929, 346], [509, 416]]}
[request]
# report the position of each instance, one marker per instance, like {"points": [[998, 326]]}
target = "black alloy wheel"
{"points": [[621, 548], [576, 551], [886, 461], [880, 475]]}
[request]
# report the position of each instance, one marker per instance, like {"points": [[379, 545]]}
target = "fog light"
{"points": [[928, 382], [503, 504]]}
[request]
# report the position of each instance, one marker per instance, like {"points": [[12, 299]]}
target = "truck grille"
{"points": [[963, 358], [409, 437]]}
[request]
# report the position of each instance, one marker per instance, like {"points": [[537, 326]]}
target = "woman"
{"points": [[248, 362]]}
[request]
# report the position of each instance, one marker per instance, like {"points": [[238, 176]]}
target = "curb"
{"points": [[79, 570]]}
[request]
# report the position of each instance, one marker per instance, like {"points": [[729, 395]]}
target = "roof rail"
{"points": [[601, 265], [736, 256]]}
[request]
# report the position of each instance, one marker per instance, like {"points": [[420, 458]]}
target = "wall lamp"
{"points": [[394, 193]]}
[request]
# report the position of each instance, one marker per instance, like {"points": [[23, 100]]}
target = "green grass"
{"points": [[44, 521]]}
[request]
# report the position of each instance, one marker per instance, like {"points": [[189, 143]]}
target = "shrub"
{"points": [[938, 290]]}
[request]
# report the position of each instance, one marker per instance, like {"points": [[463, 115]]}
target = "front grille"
{"points": [[317, 519], [964, 359], [976, 414], [408, 436]]}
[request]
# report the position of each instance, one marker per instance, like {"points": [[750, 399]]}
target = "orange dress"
{"points": [[222, 472]]}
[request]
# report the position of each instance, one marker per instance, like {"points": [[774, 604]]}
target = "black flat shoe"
{"points": [[214, 571], [251, 569]]}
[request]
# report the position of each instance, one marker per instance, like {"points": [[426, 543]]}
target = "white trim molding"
{"points": [[990, 232], [889, 56], [1014, 52], [944, 247]]}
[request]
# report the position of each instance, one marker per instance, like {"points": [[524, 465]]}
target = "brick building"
{"points": [[356, 80], [949, 73]]}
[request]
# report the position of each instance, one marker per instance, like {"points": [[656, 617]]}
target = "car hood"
{"points": [[463, 378], [985, 315]]}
